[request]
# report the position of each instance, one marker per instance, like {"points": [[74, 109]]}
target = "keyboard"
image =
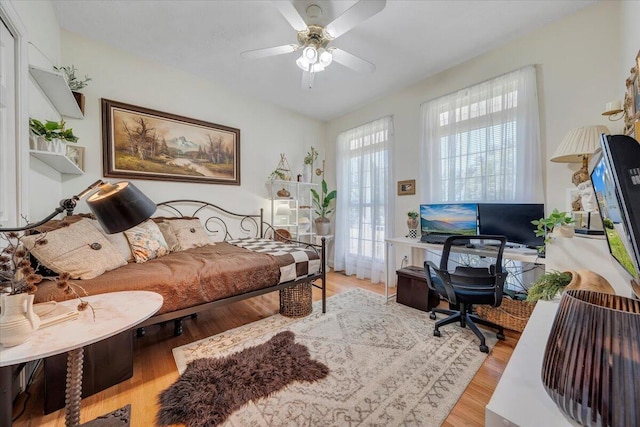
{"points": [[438, 239]]}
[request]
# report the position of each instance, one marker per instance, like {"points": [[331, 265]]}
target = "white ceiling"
{"points": [[408, 41]]}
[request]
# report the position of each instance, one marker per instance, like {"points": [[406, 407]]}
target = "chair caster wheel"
{"points": [[500, 337], [436, 333], [432, 316], [484, 349]]}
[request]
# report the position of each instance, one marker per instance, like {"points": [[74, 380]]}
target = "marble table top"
{"points": [[115, 312]]}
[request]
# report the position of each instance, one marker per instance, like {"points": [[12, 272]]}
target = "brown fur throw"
{"points": [[210, 389]]}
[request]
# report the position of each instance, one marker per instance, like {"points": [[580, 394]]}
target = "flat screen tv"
{"points": [[616, 182], [512, 220], [449, 218]]}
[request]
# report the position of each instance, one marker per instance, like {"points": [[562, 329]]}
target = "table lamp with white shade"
{"points": [[578, 146]]}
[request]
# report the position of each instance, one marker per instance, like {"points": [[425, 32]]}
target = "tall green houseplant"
{"points": [[322, 203]]}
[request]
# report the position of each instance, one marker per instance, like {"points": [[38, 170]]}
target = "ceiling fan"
{"points": [[313, 40]]}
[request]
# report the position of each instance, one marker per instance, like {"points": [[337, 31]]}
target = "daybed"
{"points": [[190, 280], [199, 278]]}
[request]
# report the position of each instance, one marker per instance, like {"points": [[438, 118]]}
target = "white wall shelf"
{"points": [[58, 161], [56, 89]]}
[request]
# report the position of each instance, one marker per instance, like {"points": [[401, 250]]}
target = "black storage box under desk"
{"points": [[412, 289]]}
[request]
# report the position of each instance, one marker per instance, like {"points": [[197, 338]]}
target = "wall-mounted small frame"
{"points": [[407, 188]]}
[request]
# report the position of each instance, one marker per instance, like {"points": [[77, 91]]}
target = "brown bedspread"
{"points": [[184, 279]]}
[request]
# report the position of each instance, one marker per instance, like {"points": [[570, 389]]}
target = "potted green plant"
{"points": [[323, 209], [558, 221], [412, 219], [549, 285], [51, 136], [74, 83], [308, 160]]}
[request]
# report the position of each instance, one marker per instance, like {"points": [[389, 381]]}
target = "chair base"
{"points": [[466, 318]]}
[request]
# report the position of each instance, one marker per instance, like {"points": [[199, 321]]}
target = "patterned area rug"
{"points": [[386, 367]]}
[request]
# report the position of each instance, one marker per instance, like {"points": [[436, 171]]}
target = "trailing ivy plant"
{"points": [[51, 130]]}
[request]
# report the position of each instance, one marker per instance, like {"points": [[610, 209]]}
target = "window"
{"points": [[7, 127], [14, 165], [482, 144], [364, 212]]}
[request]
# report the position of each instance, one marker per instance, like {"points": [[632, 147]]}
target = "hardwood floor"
{"points": [[155, 370]]}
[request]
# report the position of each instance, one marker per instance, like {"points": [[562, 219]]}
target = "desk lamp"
{"points": [[117, 207]]}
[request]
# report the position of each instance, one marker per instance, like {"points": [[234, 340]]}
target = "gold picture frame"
{"points": [[140, 143], [407, 187]]}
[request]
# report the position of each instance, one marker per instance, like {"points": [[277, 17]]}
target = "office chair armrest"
{"points": [[444, 277]]}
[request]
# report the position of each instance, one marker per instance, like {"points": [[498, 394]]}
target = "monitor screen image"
{"points": [[512, 220], [451, 218], [614, 226]]}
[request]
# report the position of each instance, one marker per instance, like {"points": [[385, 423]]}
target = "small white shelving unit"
{"points": [[293, 212], [56, 89], [58, 161]]}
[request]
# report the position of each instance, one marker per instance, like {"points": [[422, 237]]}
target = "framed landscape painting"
{"points": [[140, 143]]}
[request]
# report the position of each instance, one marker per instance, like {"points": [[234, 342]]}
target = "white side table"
{"points": [[114, 313]]}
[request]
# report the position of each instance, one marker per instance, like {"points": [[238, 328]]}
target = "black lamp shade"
{"points": [[120, 206]]}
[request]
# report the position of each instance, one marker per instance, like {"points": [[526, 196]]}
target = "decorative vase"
{"points": [[42, 144], [58, 146], [17, 321], [412, 223], [564, 231], [591, 368], [323, 226], [306, 173], [79, 97]]}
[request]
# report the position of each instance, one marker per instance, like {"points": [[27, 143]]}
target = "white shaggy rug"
{"points": [[386, 367]]}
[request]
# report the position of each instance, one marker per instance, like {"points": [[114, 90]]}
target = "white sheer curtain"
{"points": [[364, 209], [482, 143]]}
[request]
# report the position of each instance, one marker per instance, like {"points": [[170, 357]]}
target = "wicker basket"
{"points": [[296, 301], [511, 314]]}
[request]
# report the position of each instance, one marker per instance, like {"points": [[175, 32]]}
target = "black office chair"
{"points": [[466, 286]]}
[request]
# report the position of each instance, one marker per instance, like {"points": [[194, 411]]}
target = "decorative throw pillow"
{"points": [[190, 233], [78, 249], [118, 240], [146, 242], [169, 236]]}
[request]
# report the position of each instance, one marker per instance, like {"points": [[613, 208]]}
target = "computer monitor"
{"points": [[449, 218], [512, 220], [616, 182]]}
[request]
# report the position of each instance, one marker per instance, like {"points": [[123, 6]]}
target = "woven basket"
{"points": [[511, 314], [297, 300]]}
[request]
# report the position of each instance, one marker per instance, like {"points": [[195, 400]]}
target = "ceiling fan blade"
{"points": [[307, 80], [270, 51], [356, 14], [290, 14], [352, 61]]}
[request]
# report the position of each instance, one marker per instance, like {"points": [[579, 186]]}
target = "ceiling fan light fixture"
{"points": [[310, 53], [325, 57]]}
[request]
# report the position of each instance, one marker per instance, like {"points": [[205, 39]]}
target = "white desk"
{"points": [[515, 254], [520, 398], [114, 313]]}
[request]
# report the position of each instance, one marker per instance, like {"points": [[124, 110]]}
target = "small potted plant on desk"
{"points": [[322, 209], [412, 223], [557, 222]]}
